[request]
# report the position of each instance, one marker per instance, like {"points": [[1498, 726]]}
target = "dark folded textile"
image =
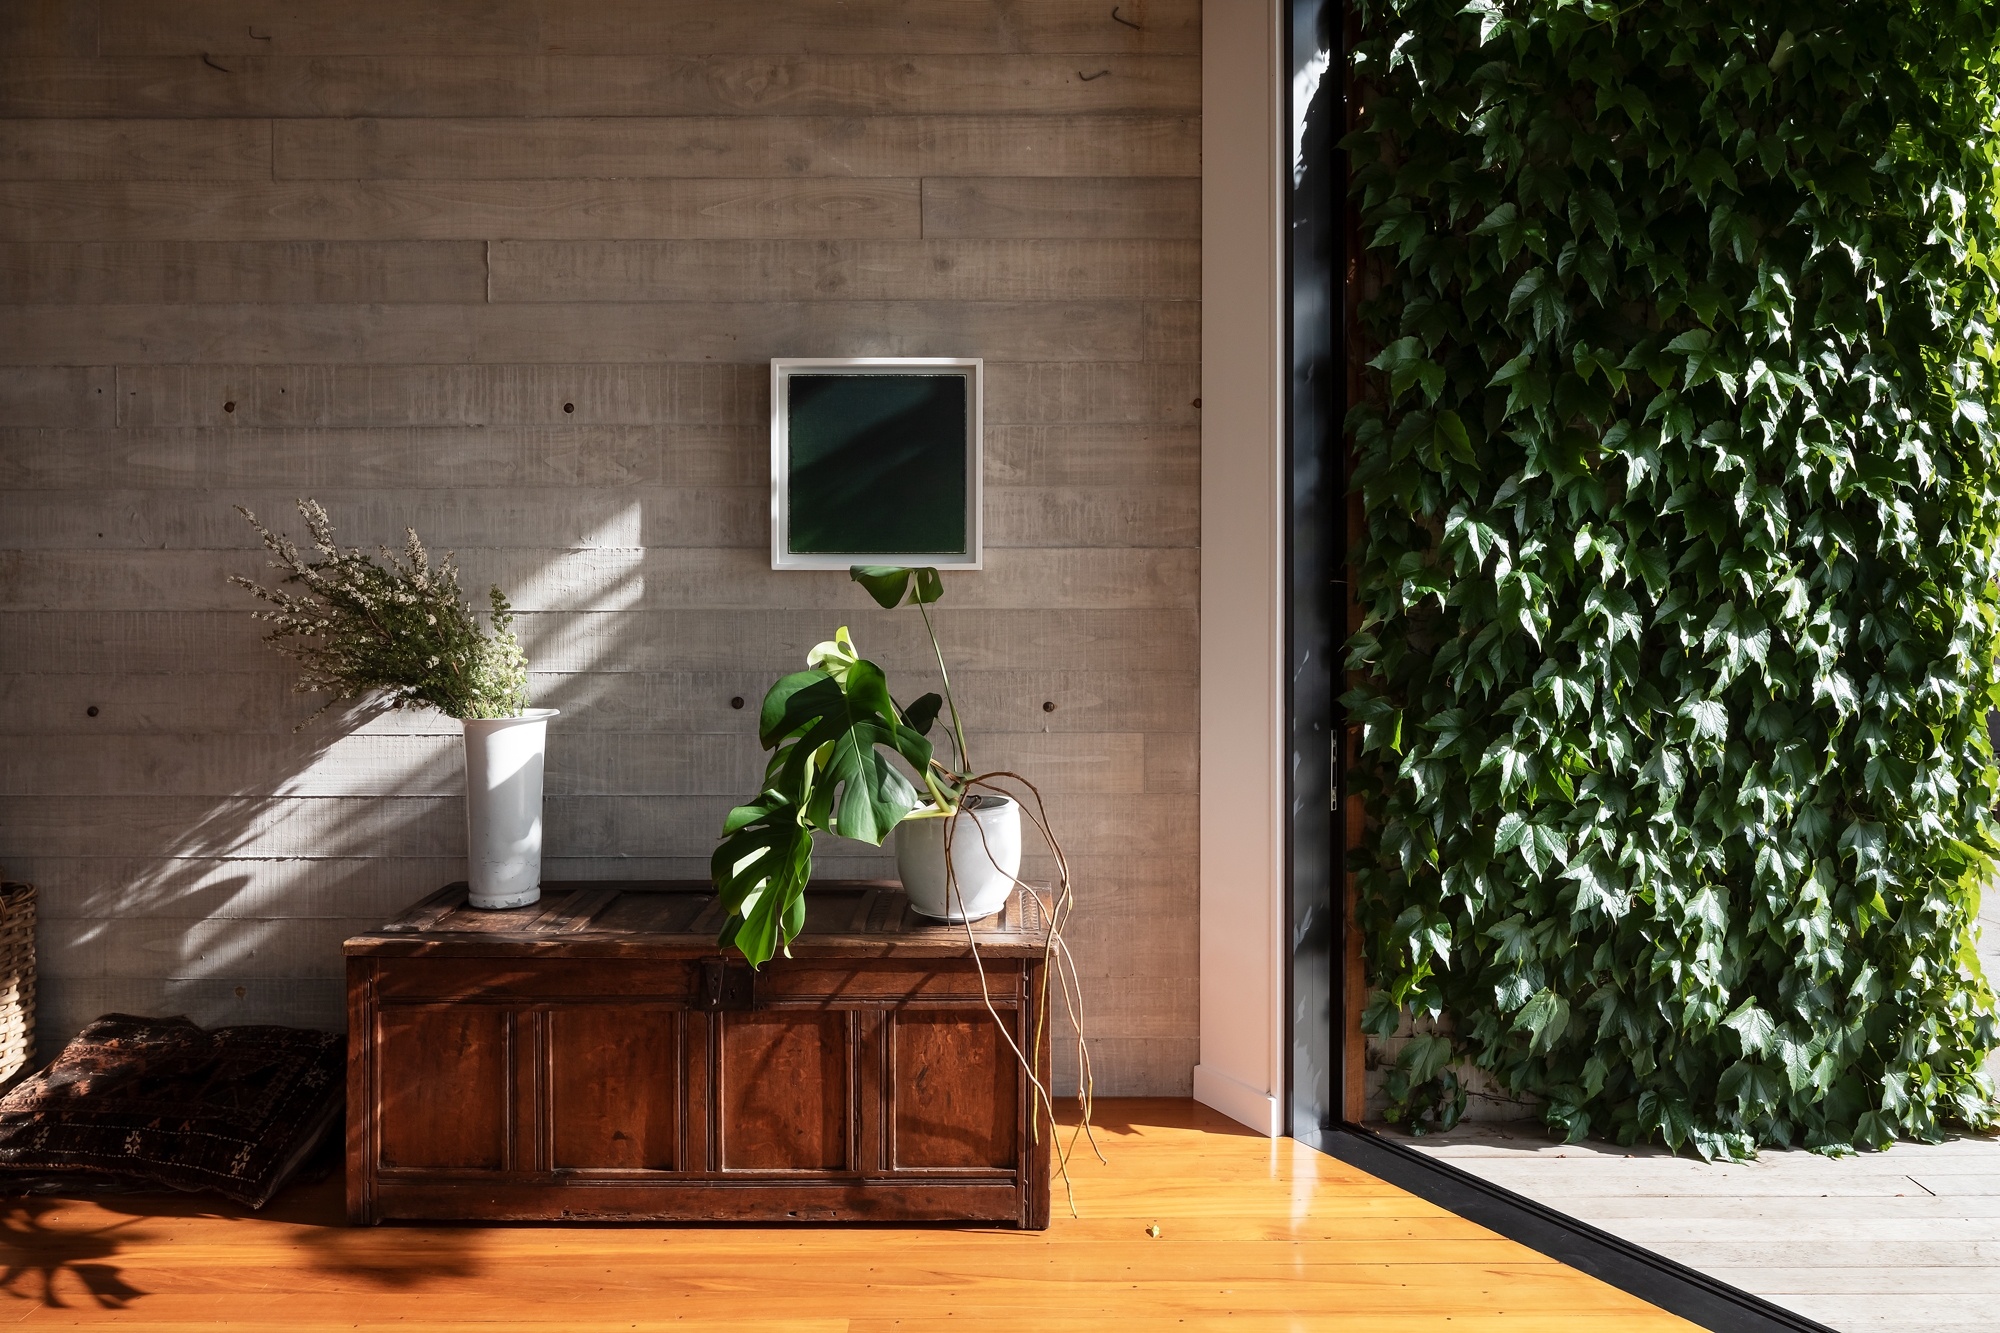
{"points": [[151, 1102]]}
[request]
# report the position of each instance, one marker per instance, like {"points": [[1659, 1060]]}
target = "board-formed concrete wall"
{"points": [[510, 271]]}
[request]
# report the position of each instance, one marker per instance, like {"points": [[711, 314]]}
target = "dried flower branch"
{"points": [[400, 627]]}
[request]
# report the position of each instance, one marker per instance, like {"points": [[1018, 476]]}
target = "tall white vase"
{"points": [[985, 866], [503, 807]]}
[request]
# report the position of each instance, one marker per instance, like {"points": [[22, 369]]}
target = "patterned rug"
{"points": [[141, 1103]]}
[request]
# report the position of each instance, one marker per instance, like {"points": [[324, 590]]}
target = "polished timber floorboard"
{"points": [[1253, 1235]]}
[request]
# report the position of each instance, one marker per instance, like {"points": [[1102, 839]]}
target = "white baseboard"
{"points": [[1238, 1100]]}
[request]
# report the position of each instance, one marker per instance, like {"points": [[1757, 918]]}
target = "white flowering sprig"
{"points": [[403, 629]]}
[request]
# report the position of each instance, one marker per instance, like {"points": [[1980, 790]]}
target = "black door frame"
{"points": [[1315, 560]]}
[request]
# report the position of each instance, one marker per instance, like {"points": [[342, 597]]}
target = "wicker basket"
{"points": [[17, 978]]}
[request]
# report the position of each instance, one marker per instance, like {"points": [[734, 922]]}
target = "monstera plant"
{"points": [[836, 735], [832, 730]]}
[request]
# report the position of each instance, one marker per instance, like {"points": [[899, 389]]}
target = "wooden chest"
{"points": [[594, 1056]]}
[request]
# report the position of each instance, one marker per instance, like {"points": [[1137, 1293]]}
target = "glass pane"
{"points": [[877, 463]]}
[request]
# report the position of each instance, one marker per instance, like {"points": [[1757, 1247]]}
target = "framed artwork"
{"points": [[875, 461]]}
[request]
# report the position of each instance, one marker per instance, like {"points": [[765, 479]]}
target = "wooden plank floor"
{"points": [[1253, 1235], [1907, 1239], [1903, 1240]]}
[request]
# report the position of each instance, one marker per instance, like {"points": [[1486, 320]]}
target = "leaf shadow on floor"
{"points": [[58, 1250], [36, 1252]]}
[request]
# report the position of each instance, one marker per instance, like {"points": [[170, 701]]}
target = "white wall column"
{"points": [[1243, 1036]]}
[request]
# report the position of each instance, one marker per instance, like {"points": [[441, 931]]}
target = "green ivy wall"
{"points": [[1678, 575]]}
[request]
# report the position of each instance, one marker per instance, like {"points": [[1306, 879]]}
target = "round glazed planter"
{"points": [[985, 867], [503, 807]]}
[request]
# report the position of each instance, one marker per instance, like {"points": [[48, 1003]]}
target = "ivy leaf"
{"points": [[1424, 1057], [1491, 17], [1781, 51], [1650, 564], [1744, 635], [1526, 385], [1577, 397], [1381, 721], [1868, 844], [1382, 1015], [1402, 227], [1732, 233], [1753, 1027], [1835, 687], [1755, 1088], [1597, 888], [1875, 1130], [1452, 437], [1603, 362], [1545, 1018], [1479, 537], [1541, 295], [1709, 169], [1514, 939], [1629, 98], [1544, 846], [1710, 718], [1705, 361], [1798, 1058], [1667, 771], [1620, 612], [1408, 367], [1593, 207], [1589, 260], [1516, 765], [1512, 232]]}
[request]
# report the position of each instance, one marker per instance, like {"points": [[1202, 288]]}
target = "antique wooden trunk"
{"points": [[594, 1056]]}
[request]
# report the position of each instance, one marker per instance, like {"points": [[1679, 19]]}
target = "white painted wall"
{"points": [[1242, 628]]}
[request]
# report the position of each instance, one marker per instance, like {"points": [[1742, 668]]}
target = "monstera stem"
{"points": [[944, 804], [958, 727]]}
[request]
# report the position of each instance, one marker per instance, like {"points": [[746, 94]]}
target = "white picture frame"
{"points": [[848, 376]]}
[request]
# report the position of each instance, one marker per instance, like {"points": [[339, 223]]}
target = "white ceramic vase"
{"points": [[985, 867], [503, 807]]}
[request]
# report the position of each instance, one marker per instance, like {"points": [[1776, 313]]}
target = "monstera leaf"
{"points": [[832, 729], [887, 583], [761, 870]]}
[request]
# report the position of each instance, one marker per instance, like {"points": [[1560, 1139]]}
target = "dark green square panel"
{"points": [[877, 464]]}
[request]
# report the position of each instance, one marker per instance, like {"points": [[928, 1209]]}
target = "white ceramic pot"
{"points": [[985, 867], [503, 807]]}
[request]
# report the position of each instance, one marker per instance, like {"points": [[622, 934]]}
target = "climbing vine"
{"points": [[1681, 496]]}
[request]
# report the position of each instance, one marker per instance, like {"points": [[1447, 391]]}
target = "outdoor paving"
{"points": [[1907, 1239]]}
